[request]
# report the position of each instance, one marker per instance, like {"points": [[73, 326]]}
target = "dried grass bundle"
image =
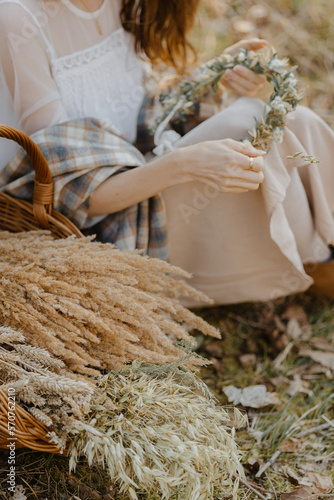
{"points": [[156, 427], [159, 431], [92, 305], [55, 396]]}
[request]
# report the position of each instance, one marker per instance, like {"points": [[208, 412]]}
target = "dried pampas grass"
{"points": [[92, 305], [158, 430]]}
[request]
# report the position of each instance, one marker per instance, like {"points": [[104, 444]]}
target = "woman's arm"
{"points": [[223, 165], [26, 67]]}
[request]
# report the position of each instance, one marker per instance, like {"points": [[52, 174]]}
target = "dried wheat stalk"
{"points": [[56, 397], [92, 305]]}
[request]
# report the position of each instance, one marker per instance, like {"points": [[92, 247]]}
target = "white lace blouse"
{"points": [[59, 62]]}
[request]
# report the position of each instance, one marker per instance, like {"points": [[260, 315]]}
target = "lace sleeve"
{"points": [[25, 64]]}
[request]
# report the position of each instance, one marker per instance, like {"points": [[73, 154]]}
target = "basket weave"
{"points": [[18, 215], [29, 433]]}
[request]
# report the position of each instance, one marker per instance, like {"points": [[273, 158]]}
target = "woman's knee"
{"points": [[239, 118], [233, 122]]}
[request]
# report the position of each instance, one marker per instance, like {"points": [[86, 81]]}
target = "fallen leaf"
{"points": [[320, 481], [254, 396], [280, 381], [302, 493], [316, 369], [291, 445], [19, 493], [321, 345], [324, 358], [298, 385]]}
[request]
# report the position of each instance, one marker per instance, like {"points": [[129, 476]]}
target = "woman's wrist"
{"points": [[174, 167]]}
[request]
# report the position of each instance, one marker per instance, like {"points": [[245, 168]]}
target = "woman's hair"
{"points": [[160, 28]]}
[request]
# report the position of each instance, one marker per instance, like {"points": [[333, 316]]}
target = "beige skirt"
{"points": [[252, 246]]}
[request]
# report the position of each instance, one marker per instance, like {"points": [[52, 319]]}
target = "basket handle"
{"points": [[43, 188]]}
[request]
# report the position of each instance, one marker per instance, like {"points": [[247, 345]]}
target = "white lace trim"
{"points": [[86, 56], [103, 81]]}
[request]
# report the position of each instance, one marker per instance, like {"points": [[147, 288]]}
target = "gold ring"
{"points": [[251, 164]]}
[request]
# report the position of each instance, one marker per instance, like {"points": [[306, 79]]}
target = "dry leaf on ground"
{"points": [[297, 385], [291, 445], [324, 358], [254, 396], [320, 481], [302, 493], [321, 485], [19, 493], [321, 345]]}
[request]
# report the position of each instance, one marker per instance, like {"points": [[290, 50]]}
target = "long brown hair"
{"points": [[160, 28]]}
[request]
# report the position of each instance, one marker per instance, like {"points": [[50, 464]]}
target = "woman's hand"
{"points": [[224, 165], [242, 80]]}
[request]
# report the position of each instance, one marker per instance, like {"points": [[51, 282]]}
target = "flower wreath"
{"points": [[283, 100]]}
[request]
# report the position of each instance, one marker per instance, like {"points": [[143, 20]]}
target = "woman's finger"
{"points": [[249, 75], [244, 148], [246, 167], [236, 190], [254, 44], [240, 184], [232, 186], [241, 85], [238, 81], [235, 178], [251, 165], [244, 172], [251, 44], [240, 90]]}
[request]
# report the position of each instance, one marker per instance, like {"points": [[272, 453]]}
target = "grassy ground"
{"points": [[287, 345], [273, 344]]}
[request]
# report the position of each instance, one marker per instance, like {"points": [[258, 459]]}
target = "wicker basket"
{"points": [[19, 215], [29, 433], [15, 216]]}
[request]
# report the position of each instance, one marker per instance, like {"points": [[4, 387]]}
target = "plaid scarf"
{"points": [[82, 154]]}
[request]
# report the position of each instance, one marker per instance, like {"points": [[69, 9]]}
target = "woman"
{"points": [[68, 59]]}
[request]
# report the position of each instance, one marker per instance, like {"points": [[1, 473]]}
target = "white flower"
{"points": [[241, 56], [278, 135], [292, 81], [276, 102], [276, 65], [278, 105]]}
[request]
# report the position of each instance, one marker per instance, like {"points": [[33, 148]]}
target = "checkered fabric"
{"points": [[82, 154]]}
